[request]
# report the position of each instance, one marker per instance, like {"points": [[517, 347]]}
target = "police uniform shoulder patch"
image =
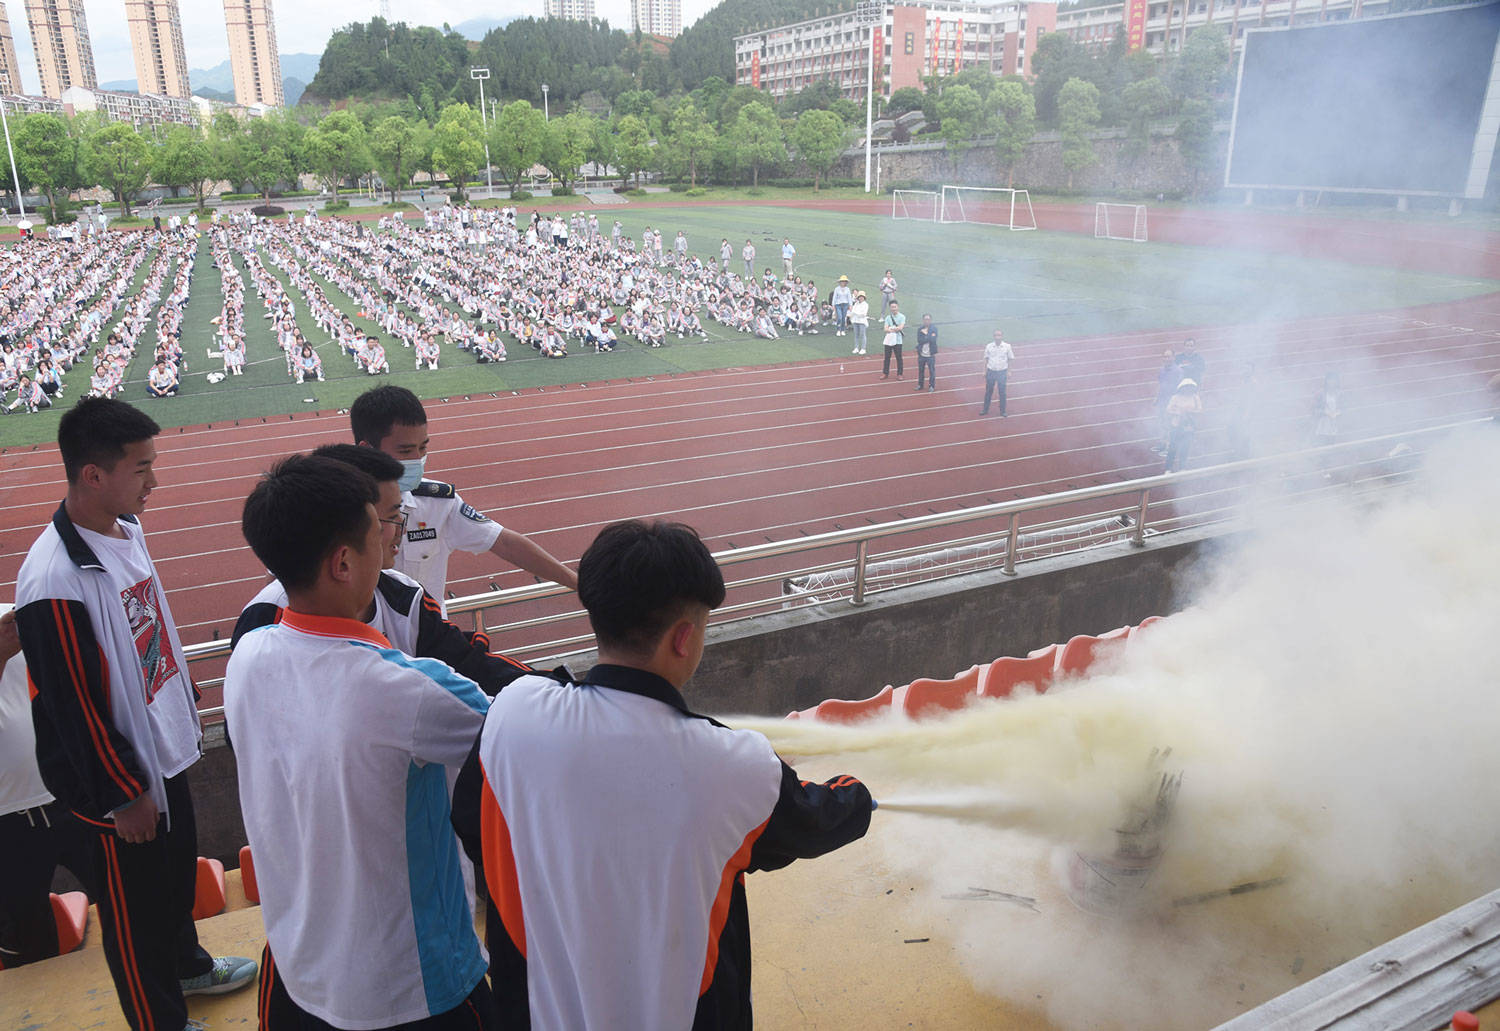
{"points": [[434, 489], [470, 512]]}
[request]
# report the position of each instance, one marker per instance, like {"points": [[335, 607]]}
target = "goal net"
{"points": [[988, 205], [1120, 222], [920, 204]]}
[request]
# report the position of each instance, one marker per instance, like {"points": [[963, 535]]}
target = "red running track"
{"points": [[749, 455]]}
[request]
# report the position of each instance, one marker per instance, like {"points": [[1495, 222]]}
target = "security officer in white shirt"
{"points": [[438, 521]]}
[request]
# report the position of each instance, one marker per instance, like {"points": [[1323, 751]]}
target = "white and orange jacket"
{"points": [[615, 827]]}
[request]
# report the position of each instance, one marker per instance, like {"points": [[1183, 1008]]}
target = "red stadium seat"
{"points": [[1081, 651], [247, 876], [1005, 674], [837, 710], [209, 899], [930, 697], [71, 912]]}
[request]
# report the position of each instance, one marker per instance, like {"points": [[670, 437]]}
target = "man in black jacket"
{"points": [[927, 348]]}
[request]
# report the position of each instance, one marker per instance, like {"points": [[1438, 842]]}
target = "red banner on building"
{"points": [[958, 47], [877, 47], [755, 69], [1135, 23], [937, 32]]}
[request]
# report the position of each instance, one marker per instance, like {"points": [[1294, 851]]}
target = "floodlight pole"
{"points": [[20, 199], [869, 13], [546, 110], [489, 176]]}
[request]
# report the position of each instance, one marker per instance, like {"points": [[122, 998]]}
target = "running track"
{"points": [[749, 455]]}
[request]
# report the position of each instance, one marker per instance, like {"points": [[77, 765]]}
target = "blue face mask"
{"points": [[411, 473]]}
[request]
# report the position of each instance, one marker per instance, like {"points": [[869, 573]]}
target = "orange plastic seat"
{"points": [[1081, 651], [209, 899], [839, 710], [1141, 627], [247, 875], [71, 912], [1007, 673], [924, 697]]}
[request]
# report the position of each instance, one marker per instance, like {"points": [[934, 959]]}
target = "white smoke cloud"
{"points": [[1329, 700]]}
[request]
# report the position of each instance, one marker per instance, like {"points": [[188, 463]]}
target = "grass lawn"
{"points": [[1036, 285]]}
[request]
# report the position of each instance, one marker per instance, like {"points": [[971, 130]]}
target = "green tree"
{"points": [[632, 146], [1144, 101], [1057, 60], [692, 136], [565, 144], [1013, 118], [393, 146], [756, 139], [338, 149], [961, 113], [227, 149], [1200, 68], [1195, 140], [46, 155], [458, 144], [183, 159], [1077, 117], [266, 155], [120, 161], [819, 138], [907, 98], [516, 140]]}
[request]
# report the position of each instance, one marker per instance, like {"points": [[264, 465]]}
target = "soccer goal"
{"points": [[987, 205], [919, 204], [1120, 222]]}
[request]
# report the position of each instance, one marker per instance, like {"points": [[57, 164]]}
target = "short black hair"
{"points": [[374, 412], [301, 510], [97, 430], [638, 578], [378, 465]]}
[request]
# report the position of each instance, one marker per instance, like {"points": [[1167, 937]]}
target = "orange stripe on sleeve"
{"points": [[73, 655], [720, 912], [500, 866]]}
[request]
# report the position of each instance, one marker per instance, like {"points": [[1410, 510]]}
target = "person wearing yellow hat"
{"points": [[842, 298]]}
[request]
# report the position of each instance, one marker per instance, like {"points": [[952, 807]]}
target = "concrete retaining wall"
{"points": [[1118, 172]]}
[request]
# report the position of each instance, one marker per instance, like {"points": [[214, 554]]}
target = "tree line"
{"points": [[716, 132]]}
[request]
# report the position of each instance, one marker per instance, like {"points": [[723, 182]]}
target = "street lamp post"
{"points": [[20, 199], [489, 176], [869, 12], [546, 111]]}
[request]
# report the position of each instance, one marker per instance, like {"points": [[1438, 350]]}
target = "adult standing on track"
{"points": [[859, 319], [927, 348], [1167, 378], [998, 355], [887, 291], [895, 330], [392, 419], [1190, 363], [116, 715], [1182, 417], [788, 253]]}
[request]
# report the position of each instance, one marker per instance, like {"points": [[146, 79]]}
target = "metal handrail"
{"points": [[1138, 490]]}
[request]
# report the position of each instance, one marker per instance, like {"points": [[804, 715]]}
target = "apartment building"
{"points": [[1161, 26], [253, 56], [912, 40], [156, 41], [60, 37]]}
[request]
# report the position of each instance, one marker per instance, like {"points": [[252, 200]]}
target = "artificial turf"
{"points": [[972, 279]]}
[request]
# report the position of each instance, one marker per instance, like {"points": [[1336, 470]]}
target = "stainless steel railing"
{"points": [[1147, 507]]}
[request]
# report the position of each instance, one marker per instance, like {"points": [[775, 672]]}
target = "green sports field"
{"points": [[1036, 285]]}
